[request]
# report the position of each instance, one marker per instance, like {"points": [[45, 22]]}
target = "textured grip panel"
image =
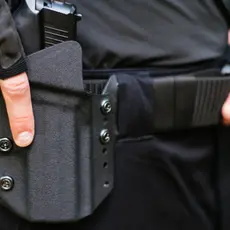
{"points": [[210, 95], [183, 102], [53, 36], [57, 27]]}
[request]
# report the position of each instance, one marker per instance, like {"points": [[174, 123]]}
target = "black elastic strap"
{"points": [[18, 68]]}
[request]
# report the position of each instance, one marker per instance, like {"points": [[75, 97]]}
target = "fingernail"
{"points": [[24, 139]]}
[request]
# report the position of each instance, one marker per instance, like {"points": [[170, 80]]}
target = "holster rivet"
{"points": [[7, 183], [106, 106], [105, 136], [5, 144]]}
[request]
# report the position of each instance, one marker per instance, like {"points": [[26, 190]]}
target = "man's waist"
{"points": [[155, 71], [96, 79]]}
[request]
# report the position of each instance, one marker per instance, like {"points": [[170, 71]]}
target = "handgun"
{"points": [[58, 21]]}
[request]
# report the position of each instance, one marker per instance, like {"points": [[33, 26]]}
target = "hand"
{"points": [[16, 93]]}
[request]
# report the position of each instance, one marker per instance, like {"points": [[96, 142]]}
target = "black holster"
{"points": [[68, 170]]}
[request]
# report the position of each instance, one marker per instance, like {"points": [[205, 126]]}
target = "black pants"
{"points": [[179, 180]]}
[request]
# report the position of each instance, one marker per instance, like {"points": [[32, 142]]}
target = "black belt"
{"points": [[183, 101]]}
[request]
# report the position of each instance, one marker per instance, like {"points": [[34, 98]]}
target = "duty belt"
{"points": [[183, 101], [69, 169]]}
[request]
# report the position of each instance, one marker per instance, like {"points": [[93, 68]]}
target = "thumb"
{"points": [[226, 111]]}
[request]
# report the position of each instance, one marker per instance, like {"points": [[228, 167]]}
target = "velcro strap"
{"points": [[186, 102]]}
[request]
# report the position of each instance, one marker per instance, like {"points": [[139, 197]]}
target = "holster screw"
{"points": [[106, 106], [6, 183], [105, 136], [5, 144]]}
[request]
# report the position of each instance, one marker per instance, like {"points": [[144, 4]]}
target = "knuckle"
{"points": [[16, 87], [21, 121]]}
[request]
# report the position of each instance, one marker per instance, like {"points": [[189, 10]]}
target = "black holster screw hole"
{"points": [[106, 184], [104, 151], [105, 165]]}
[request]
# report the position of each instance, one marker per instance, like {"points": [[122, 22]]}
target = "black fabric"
{"points": [[224, 7], [223, 161], [150, 33], [11, 50], [13, 4], [28, 27], [117, 34], [224, 174]]}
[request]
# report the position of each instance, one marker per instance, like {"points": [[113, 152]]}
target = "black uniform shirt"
{"points": [[133, 33], [11, 50]]}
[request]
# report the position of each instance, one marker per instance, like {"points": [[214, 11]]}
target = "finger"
{"points": [[16, 92], [226, 111]]}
